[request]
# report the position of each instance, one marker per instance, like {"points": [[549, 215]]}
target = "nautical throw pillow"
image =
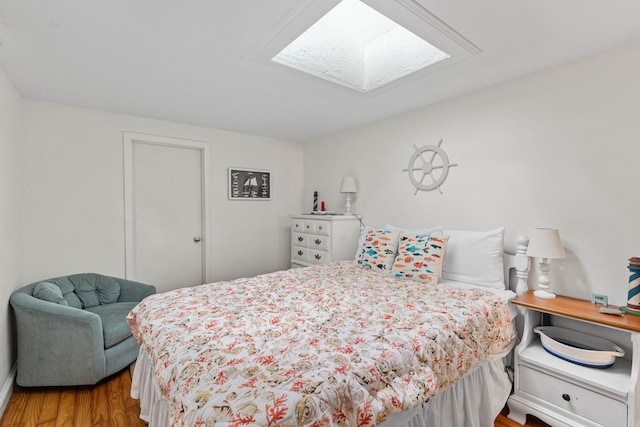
{"points": [[378, 250], [420, 256]]}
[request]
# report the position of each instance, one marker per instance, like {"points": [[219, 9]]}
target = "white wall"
{"points": [[62, 202], [559, 148], [73, 207], [10, 225]]}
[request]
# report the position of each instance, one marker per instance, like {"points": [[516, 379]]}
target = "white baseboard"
{"points": [[7, 390]]}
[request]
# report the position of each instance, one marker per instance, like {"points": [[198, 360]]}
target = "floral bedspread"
{"points": [[331, 345]]}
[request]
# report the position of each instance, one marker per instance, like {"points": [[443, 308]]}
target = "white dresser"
{"points": [[319, 239]]}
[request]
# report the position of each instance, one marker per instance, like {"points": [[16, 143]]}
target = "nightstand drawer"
{"points": [[575, 399], [299, 253]]}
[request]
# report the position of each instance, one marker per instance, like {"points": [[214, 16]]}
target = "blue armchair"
{"points": [[72, 330]]}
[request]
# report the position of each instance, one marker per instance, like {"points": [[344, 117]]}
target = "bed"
{"points": [[340, 344]]}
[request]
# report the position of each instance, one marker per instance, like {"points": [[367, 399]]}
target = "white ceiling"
{"points": [[205, 62]]}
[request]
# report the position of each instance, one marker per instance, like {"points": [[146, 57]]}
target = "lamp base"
{"points": [[544, 283], [544, 294], [347, 207]]}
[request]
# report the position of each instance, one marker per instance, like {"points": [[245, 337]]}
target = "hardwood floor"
{"points": [[503, 421], [106, 404]]}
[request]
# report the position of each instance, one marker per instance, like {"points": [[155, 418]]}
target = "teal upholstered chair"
{"points": [[72, 330]]}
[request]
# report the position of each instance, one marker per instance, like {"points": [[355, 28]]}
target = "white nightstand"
{"points": [[319, 239], [562, 393]]}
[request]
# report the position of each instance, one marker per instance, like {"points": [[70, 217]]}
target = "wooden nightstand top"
{"points": [[578, 309]]}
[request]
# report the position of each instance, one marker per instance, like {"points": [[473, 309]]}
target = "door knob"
{"points": [[196, 239]]}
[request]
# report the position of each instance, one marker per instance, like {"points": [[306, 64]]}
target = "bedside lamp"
{"points": [[348, 186], [545, 243]]}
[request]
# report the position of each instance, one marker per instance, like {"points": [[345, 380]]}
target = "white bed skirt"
{"points": [[473, 401]]}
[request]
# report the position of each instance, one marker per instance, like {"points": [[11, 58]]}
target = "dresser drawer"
{"points": [[299, 253], [316, 227], [297, 226], [573, 398], [323, 228], [300, 239], [319, 257], [309, 227], [319, 242], [314, 241]]}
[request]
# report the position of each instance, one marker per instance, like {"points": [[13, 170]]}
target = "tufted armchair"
{"points": [[72, 330]]}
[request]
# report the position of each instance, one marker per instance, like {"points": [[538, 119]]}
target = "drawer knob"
{"points": [[318, 256], [320, 227], [300, 238], [318, 241], [308, 226], [300, 253], [566, 397]]}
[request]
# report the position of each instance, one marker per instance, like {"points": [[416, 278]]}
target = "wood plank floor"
{"points": [[107, 404], [503, 421]]}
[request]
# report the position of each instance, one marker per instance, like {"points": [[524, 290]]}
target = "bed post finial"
{"points": [[522, 265]]}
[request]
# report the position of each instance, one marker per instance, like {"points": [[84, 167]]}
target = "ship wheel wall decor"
{"points": [[428, 167]]}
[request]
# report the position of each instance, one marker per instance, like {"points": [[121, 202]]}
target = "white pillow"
{"points": [[426, 230], [475, 257]]}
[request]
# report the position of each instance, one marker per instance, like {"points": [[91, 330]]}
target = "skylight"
{"points": [[357, 47]]}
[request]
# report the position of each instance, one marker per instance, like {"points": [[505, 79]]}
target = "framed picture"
{"points": [[249, 184]]}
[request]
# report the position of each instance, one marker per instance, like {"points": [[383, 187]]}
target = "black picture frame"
{"points": [[249, 184]]}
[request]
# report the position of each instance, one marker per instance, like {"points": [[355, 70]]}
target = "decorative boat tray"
{"points": [[579, 348]]}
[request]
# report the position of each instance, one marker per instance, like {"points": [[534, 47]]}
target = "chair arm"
{"points": [[131, 291], [57, 345]]}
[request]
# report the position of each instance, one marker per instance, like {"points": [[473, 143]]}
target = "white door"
{"points": [[165, 198]]}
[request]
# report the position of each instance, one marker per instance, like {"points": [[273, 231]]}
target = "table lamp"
{"points": [[545, 244], [348, 186]]}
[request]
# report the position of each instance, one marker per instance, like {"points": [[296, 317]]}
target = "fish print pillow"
{"points": [[420, 256], [378, 250]]}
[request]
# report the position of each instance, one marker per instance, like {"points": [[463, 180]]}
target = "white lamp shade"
{"points": [[545, 243], [348, 185]]}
